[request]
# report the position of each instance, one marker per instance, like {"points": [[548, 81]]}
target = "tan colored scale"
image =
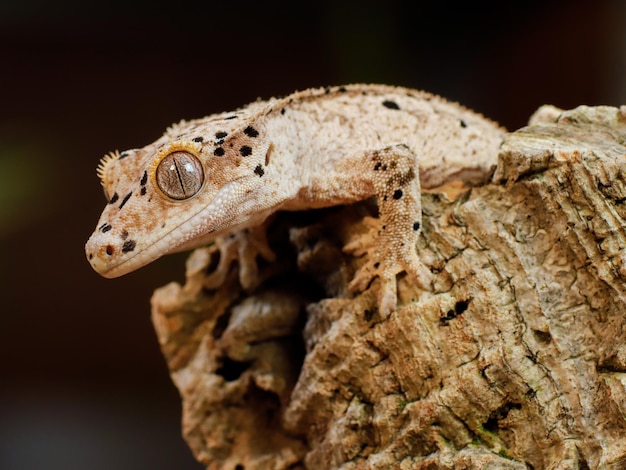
{"points": [[211, 177]]}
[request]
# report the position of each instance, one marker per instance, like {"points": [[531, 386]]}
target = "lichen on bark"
{"points": [[514, 359]]}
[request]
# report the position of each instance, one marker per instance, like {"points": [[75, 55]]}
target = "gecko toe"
{"points": [[419, 273], [362, 279]]}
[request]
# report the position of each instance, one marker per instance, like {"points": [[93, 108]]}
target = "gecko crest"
{"points": [[104, 163]]}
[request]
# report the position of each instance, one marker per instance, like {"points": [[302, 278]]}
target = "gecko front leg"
{"points": [[243, 246], [393, 172]]}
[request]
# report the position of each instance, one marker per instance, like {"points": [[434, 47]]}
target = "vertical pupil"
{"points": [[179, 175]]}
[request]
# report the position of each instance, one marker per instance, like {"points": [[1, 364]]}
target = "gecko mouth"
{"points": [[104, 258], [112, 260], [103, 263]]}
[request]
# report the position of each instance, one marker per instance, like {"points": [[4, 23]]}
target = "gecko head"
{"points": [[194, 183]]}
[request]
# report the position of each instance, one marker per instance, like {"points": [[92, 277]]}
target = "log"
{"points": [[515, 359]]}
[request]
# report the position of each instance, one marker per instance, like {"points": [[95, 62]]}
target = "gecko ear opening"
{"points": [[179, 175]]}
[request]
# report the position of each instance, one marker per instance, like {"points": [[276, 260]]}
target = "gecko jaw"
{"points": [[101, 262], [101, 248], [105, 252]]}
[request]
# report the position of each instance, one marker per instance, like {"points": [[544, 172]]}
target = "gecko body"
{"points": [[215, 176]]}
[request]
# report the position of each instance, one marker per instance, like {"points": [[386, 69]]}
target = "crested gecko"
{"points": [[209, 178]]}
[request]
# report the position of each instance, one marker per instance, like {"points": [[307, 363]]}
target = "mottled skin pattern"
{"points": [[312, 149]]}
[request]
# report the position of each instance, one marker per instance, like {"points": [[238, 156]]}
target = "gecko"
{"points": [[207, 180]]}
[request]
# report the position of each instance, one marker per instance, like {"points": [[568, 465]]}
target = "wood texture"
{"points": [[515, 359]]}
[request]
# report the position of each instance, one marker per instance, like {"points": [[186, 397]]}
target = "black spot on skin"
{"points": [[221, 134], [460, 307], [259, 170], [462, 123], [342, 89], [124, 235], [114, 198], [282, 111], [123, 155], [143, 191], [198, 139], [90, 256], [390, 104], [251, 131], [218, 152], [416, 226], [129, 245], [110, 250], [219, 142], [144, 178], [327, 90], [105, 228], [125, 200], [376, 265], [377, 166], [245, 150], [234, 116], [397, 194]]}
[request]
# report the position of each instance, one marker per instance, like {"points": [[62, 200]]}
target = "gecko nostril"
{"points": [[110, 250]]}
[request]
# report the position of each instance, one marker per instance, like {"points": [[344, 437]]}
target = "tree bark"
{"points": [[515, 359]]}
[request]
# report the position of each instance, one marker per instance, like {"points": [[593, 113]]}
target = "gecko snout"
{"points": [[106, 252], [101, 256]]}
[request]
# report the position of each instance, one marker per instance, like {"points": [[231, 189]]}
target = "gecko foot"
{"points": [[243, 247], [387, 258]]}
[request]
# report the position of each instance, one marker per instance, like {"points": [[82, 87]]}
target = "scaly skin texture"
{"points": [[311, 149]]}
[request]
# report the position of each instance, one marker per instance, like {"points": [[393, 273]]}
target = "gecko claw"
{"points": [[387, 288], [385, 263]]}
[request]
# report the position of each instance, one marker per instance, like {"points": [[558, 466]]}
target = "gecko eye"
{"points": [[179, 175]]}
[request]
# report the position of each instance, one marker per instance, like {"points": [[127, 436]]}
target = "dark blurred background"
{"points": [[82, 381]]}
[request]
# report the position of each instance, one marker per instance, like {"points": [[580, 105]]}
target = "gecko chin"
{"points": [[110, 270], [112, 273], [102, 263]]}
